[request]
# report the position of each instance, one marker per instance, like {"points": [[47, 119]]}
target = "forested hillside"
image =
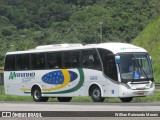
{"points": [[25, 24], [150, 40]]}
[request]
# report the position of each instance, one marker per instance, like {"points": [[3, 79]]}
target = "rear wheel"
{"points": [[127, 99], [37, 96], [96, 94], [64, 99]]}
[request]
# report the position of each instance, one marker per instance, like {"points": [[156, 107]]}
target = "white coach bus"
{"points": [[67, 70]]}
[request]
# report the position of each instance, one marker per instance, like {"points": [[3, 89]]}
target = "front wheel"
{"points": [[96, 95], [126, 99], [64, 99], [37, 96]]}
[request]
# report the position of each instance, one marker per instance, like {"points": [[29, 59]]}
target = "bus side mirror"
{"points": [[117, 59], [150, 58]]}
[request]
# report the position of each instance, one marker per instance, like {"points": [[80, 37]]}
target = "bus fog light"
{"points": [[147, 86]]}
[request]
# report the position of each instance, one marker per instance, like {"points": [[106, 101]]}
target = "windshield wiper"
{"points": [[144, 72], [139, 66]]}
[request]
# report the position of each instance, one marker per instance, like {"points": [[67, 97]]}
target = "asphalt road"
{"points": [[78, 106]]}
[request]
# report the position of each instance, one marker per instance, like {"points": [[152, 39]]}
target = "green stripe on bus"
{"points": [[27, 92]]}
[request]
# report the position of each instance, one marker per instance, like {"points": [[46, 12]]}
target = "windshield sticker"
{"points": [[136, 75]]}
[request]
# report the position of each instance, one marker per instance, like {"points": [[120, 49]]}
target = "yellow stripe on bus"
{"points": [[28, 89]]}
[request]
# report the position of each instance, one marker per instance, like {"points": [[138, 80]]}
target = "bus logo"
{"points": [[22, 75], [12, 75]]}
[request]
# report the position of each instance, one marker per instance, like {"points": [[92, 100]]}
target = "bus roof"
{"points": [[121, 47], [113, 47]]}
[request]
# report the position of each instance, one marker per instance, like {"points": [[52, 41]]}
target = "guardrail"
{"points": [[157, 85]]}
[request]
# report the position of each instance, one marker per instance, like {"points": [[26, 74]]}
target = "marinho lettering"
{"points": [[23, 75]]}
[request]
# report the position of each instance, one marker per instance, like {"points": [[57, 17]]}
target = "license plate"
{"points": [[140, 92]]}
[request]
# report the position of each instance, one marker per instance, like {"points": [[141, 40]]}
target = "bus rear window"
{"points": [[9, 63]]}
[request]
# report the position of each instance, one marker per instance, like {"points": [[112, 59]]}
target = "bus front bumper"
{"points": [[125, 91]]}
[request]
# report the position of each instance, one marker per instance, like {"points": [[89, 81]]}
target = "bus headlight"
{"points": [[126, 85]]}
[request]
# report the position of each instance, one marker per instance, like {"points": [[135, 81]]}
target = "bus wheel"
{"points": [[64, 99], [127, 99], [96, 95], [37, 96]]}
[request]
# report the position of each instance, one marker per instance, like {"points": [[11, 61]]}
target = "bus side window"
{"points": [[71, 59], [67, 60], [109, 64], [37, 61], [41, 61], [9, 62], [25, 62], [54, 60], [75, 56], [19, 62], [90, 59], [33, 61]]}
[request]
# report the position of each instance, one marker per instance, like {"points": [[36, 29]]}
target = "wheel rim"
{"points": [[96, 93], [37, 94]]}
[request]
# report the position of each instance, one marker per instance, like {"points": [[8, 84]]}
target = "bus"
{"points": [[63, 71]]}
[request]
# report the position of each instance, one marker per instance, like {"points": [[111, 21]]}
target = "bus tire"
{"points": [[37, 96], [126, 99], [96, 94], [64, 99]]}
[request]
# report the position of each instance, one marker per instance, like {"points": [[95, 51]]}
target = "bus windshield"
{"points": [[135, 67]]}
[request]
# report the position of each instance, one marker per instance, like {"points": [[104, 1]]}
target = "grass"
{"points": [[152, 98]]}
